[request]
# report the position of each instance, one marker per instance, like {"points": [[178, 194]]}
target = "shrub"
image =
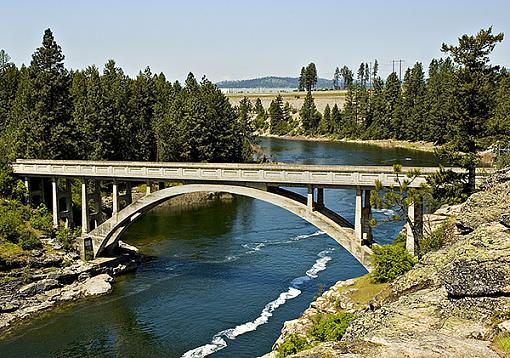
{"points": [[42, 219], [28, 241], [437, 238], [331, 327], [12, 216], [67, 238], [390, 261], [292, 345], [503, 161]]}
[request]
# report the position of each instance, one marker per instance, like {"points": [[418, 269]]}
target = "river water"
{"points": [[220, 280]]}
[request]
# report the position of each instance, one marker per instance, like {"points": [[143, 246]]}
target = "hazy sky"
{"points": [[227, 39]]}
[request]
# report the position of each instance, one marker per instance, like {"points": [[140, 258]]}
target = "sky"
{"points": [[228, 39]]}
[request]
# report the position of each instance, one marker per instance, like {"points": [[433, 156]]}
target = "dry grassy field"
{"points": [[295, 99]]}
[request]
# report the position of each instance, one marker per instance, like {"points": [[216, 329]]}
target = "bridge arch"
{"points": [[106, 235]]}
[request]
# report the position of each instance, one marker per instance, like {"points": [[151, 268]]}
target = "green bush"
{"points": [[292, 345], [12, 219], [28, 241], [42, 219], [390, 261], [331, 327], [67, 237], [503, 161]]}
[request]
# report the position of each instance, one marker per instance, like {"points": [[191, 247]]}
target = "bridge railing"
{"points": [[277, 174]]}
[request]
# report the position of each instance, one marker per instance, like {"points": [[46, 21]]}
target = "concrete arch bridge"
{"points": [[265, 182]]}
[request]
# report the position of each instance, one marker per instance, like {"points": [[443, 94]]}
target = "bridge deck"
{"points": [[272, 174]]}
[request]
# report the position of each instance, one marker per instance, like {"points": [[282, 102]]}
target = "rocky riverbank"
{"points": [[52, 278], [454, 303]]}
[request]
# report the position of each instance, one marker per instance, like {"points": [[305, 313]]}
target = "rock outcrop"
{"points": [[451, 304], [52, 284]]}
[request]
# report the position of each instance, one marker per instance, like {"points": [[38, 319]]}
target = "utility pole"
{"points": [[399, 68]]}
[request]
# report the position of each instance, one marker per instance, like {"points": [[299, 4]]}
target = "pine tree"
{"points": [[42, 108], [244, 115], [336, 79], [392, 98], [349, 128], [310, 117], [276, 115], [438, 100], [310, 77], [141, 107], [474, 96], [413, 104], [361, 74], [336, 119], [347, 77], [118, 142], [499, 124], [261, 116], [325, 122], [375, 70], [302, 79]]}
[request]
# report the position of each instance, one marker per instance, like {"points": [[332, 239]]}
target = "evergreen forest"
{"points": [[50, 112]]}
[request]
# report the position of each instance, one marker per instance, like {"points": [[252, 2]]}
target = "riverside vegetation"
{"points": [[463, 105]]}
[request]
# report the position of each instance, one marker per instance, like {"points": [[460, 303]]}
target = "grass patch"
{"points": [[12, 255], [365, 291], [503, 343], [286, 96]]}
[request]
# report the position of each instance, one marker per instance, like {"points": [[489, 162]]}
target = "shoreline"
{"points": [[382, 143], [78, 280], [61, 285]]}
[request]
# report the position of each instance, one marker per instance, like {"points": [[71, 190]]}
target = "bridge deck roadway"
{"points": [[272, 174]]}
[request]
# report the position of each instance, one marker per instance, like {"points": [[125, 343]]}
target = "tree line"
{"points": [[47, 111], [463, 103]]}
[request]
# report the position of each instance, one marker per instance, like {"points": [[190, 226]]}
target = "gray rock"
{"points": [[10, 306], [479, 265], [38, 287], [97, 285], [484, 207], [83, 276], [48, 260]]}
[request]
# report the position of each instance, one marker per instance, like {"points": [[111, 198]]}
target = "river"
{"points": [[220, 280]]}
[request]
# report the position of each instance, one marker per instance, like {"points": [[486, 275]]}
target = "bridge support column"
{"points": [[366, 217], [309, 198], [84, 207], [27, 185], [320, 197], [67, 214], [97, 216], [161, 185], [415, 216], [115, 198], [362, 216], [149, 187], [54, 201]]}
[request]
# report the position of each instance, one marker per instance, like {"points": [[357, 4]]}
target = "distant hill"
{"points": [[271, 82]]}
